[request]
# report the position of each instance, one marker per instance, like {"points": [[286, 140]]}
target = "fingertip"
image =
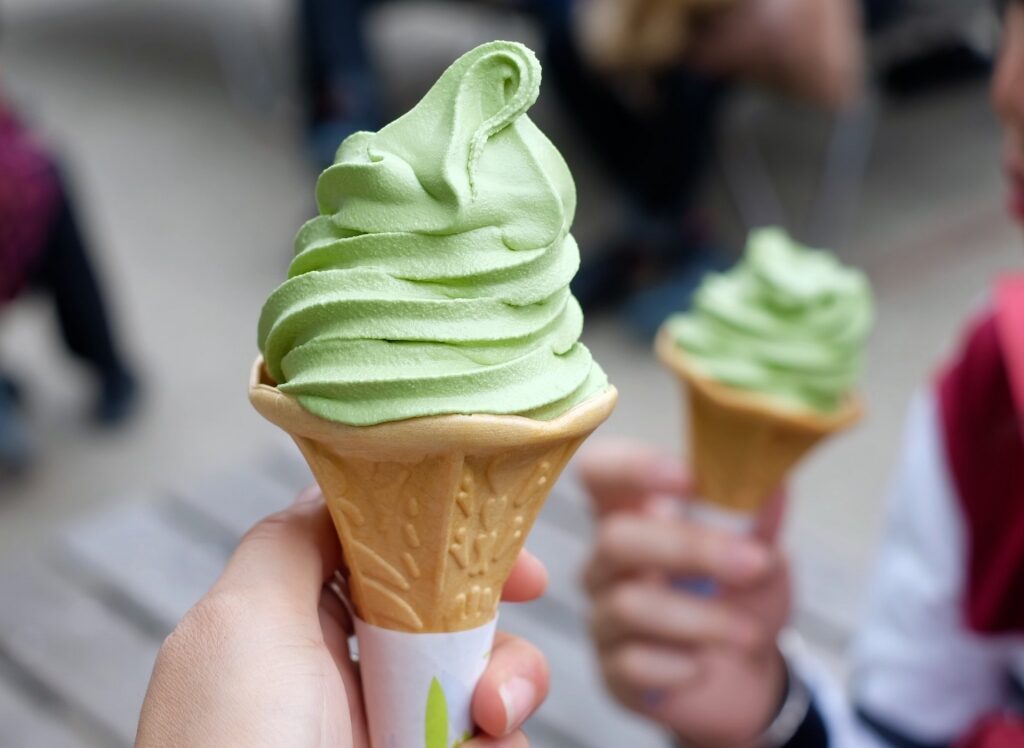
{"points": [[628, 465], [288, 554], [528, 579], [310, 495], [513, 686], [748, 560]]}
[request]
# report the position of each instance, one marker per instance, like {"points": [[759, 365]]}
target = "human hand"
{"points": [[811, 49], [640, 36], [263, 658], [705, 667]]}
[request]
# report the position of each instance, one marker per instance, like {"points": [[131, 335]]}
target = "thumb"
{"points": [[621, 475], [287, 556]]}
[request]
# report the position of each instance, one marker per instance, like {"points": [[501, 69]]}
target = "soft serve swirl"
{"points": [[436, 278], [787, 322]]}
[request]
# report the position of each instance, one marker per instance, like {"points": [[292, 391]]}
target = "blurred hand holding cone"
{"points": [[639, 35]]}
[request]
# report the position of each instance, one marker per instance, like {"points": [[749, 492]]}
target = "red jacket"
{"points": [[29, 195], [982, 403]]}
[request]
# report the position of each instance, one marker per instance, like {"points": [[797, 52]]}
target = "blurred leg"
{"points": [[337, 76], [656, 147], [879, 13], [657, 150], [15, 443], [66, 273]]}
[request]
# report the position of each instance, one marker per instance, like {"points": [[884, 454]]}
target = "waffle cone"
{"points": [[743, 445], [431, 512]]}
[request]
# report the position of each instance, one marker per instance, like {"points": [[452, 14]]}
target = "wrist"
{"points": [[780, 683], [765, 703], [792, 714]]}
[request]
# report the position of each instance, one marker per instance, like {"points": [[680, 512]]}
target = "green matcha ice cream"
{"points": [[436, 278], [787, 322]]}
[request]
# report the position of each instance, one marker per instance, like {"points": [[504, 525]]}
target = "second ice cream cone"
{"points": [[743, 445]]}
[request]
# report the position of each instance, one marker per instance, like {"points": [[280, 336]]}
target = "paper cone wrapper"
{"points": [[743, 445], [418, 688], [431, 513]]}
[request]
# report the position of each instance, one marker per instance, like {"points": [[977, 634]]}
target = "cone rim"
{"points": [[427, 434], [750, 403]]}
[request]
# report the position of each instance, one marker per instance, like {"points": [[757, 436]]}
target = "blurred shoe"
{"points": [[16, 450], [118, 398], [937, 68], [11, 389], [810, 49]]}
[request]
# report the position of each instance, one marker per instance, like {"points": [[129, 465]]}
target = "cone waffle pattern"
{"points": [[429, 544]]}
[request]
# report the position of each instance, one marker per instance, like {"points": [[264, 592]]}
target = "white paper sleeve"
{"points": [[710, 515], [418, 688]]}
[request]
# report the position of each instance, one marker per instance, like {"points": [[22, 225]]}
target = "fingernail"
{"points": [[747, 559], [519, 696], [310, 495]]}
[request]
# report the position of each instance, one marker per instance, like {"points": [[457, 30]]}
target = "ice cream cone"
{"points": [[431, 511], [743, 445]]}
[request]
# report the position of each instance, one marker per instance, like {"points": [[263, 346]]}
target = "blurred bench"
{"points": [[82, 619]]}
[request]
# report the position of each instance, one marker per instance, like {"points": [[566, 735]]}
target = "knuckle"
{"points": [[627, 664], [214, 616], [594, 576], [267, 528], [198, 632], [620, 605], [705, 547], [612, 536]]}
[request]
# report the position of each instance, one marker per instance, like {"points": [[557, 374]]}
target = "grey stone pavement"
{"points": [[193, 192]]}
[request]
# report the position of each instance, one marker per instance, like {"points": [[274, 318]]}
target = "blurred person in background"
{"points": [[646, 104], [43, 249], [939, 660]]}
